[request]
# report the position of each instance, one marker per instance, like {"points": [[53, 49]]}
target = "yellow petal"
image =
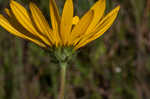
{"points": [[102, 27], [13, 21], [81, 27], [66, 21], [99, 8], [7, 11], [5, 24], [22, 16], [75, 20], [107, 21], [55, 20], [41, 22]]}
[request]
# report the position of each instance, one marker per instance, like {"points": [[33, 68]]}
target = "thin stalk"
{"points": [[63, 80]]}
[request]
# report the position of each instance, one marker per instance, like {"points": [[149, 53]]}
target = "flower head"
{"points": [[67, 30]]}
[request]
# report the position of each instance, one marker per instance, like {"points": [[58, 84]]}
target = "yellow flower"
{"points": [[67, 30]]}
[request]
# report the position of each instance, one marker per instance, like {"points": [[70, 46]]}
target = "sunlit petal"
{"points": [[66, 21], [75, 20], [55, 21], [5, 24], [102, 27], [98, 8], [81, 27], [24, 19], [41, 22]]}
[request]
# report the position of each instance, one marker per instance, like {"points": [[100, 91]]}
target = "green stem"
{"points": [[63, 79]]}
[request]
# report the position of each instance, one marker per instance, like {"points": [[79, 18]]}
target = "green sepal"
{"points": [[62, 55]]}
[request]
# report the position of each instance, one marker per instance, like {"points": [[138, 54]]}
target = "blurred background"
{"points": [[115, 66]]}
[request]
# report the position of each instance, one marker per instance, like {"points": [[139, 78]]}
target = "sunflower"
{"points": [[67, 30]]}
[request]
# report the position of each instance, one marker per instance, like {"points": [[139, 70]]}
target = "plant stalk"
{"points": [[63, 80]]}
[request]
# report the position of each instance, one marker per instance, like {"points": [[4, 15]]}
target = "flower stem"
{"points": [[63, 79]]}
